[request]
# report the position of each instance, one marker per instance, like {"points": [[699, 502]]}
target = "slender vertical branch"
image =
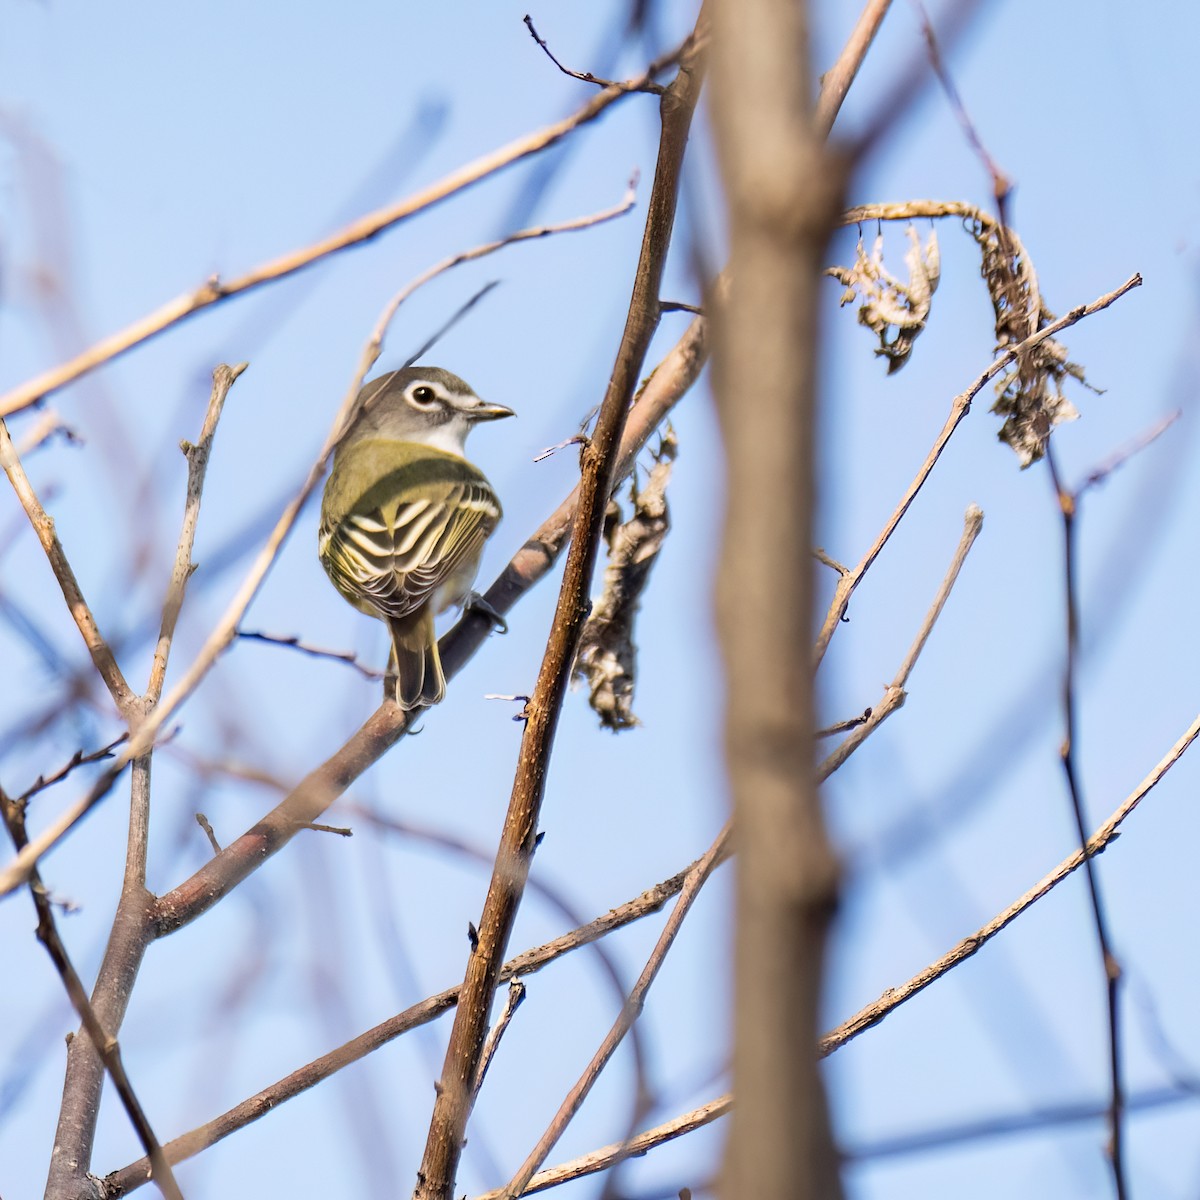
{"points": [[598, 463], [782, 188], [1068, 504], [89, 1056], [224, 378]]}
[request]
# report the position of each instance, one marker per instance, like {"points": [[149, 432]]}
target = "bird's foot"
{"points": [[475, 602]]}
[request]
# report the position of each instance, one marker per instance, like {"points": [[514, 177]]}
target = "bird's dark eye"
{"points": [[423, 395]]}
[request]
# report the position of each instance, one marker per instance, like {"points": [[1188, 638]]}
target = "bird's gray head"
{"points": [[420, 404]]}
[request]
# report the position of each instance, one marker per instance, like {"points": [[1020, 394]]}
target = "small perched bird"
{"points": [[405, 515]]}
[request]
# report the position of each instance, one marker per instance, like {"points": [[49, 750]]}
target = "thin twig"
{"points": [[455, 317], [609, 1156], [204, 824], [339, 830], [106, 1046], [197, 455], [894, 693], [875, 1012], [587, 77], [143, 738], [43, 429], [527, 963], [669, 382], [362, 230], [831, 563], [1068, 504], [78, 759], [958, 410], [513, 1001], [695, 880], [846, 725], [1099, 474], [835, 83], [452, 1106], [293, 642], [578, 439], [1001, 185], [102, 655]]}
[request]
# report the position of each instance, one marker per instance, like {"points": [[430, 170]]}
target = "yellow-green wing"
{"points": [[400, 520]]}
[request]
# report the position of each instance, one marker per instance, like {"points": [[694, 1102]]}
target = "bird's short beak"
{"points": [[489, 412]]}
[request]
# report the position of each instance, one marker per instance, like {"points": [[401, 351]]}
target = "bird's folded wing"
{"points": [[396, 555]]}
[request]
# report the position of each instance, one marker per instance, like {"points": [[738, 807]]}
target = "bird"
{"points": [[405, 514]]}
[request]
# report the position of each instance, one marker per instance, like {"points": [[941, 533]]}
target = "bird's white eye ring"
{"points": [[423, 396]]}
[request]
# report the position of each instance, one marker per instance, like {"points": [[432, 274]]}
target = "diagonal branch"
{"points": [[224, 378], [362, 230], [43, 525], [835, 83], [875, 1012], [669, 382], [105, 1045], [149, 727], [618, 1152], [696, 879], [452, 1107], [894, 694], [848, 582], [527, 963]]}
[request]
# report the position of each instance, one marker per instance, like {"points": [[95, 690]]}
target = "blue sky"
{"points": [[141, 151]]}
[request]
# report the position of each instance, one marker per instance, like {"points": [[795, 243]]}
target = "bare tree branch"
{"points": [[293, 642], [658, 65], [513, 1001], [895, 694], [875, 1012], [224, 378], [142, 739], [362, 230], [78, 759], [958, 410], [103, 658], [1068, 505], [527, 963], [104, 1044], [835, 83], [452, 1107], [610, 1156], [783, 188], [696, 879]]}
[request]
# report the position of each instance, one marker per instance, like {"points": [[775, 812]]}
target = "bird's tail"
{"points": [[415, 660]]}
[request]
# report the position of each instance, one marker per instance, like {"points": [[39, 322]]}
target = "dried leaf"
{"points": [[607, 658], [886, 303], [1029, 395]]}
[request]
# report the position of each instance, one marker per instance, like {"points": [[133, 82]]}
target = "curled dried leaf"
{"points": [[886, 304], [1029, 394], [607, 657]]}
